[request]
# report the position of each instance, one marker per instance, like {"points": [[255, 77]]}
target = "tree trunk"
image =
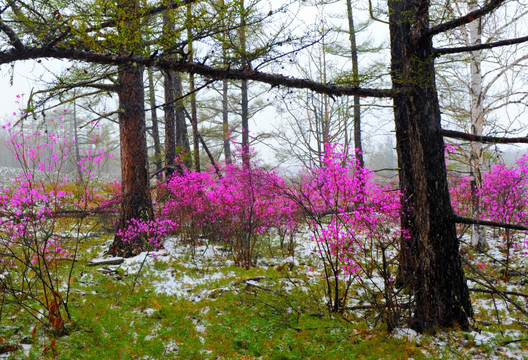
{"points": [[169, 106], [136, 202], [478, 234], [154, 118], [244, 89], [225, 122], [430, 265], [355, 77], [195, 133], [170, 125], [182, 140]]}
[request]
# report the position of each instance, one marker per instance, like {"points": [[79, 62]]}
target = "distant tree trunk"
{"points": [[136, 202], [225, 121], [194, 114], [76, 136], [244, 89], [182, 140], [170, 125], [154, 118], [430, 264], [225, 100], [169, 106], [355, 77], [478, 234]]}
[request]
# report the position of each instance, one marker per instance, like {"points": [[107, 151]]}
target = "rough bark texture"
{"points": [[136, 202], [430, 265]]}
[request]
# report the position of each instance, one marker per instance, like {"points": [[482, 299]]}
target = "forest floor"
{"points": [[186, 302]]}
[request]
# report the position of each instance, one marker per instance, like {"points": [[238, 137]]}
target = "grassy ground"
{"points": [[203, 307]]}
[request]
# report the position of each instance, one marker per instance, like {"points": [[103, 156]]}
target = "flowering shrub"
{"points": [[35, 235], [154, 231], [237, 207], [503, 198], [349, 216]]}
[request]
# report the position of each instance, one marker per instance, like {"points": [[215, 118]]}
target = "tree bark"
{"points": [[136, 202], [430, 264]]}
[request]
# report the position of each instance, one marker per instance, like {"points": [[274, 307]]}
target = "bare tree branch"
{"points": [[465, 220], [148, 12], [484, 139], [459, 49], [448, 25]]}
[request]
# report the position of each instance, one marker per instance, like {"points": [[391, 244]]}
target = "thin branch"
{"points": [[207, 83], [490, 45], [148, 12], [371, 13], [483, 139], [465, 220], [449, 25], [494, 291]]}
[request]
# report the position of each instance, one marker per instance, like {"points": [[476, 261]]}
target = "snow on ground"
{"points": [[200, 273]]}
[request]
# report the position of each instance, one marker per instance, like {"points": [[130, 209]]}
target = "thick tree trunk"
{"points": [[355, 77], [136, 202], [430, 264]]}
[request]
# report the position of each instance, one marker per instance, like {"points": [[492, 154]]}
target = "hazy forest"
{"points": [[274, 179]]}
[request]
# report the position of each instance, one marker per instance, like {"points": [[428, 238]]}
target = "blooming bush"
{"points": [[503, 198], [237, 207], [349, 216], [35, 233]]}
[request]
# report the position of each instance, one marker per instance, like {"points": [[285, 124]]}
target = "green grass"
{"points": [[233, 320]]}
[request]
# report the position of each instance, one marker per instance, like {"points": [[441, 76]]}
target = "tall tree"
{"points": [[355, 77], [478, 234], [136, 202], [154, 120], [194, 111], [430, 263]]}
